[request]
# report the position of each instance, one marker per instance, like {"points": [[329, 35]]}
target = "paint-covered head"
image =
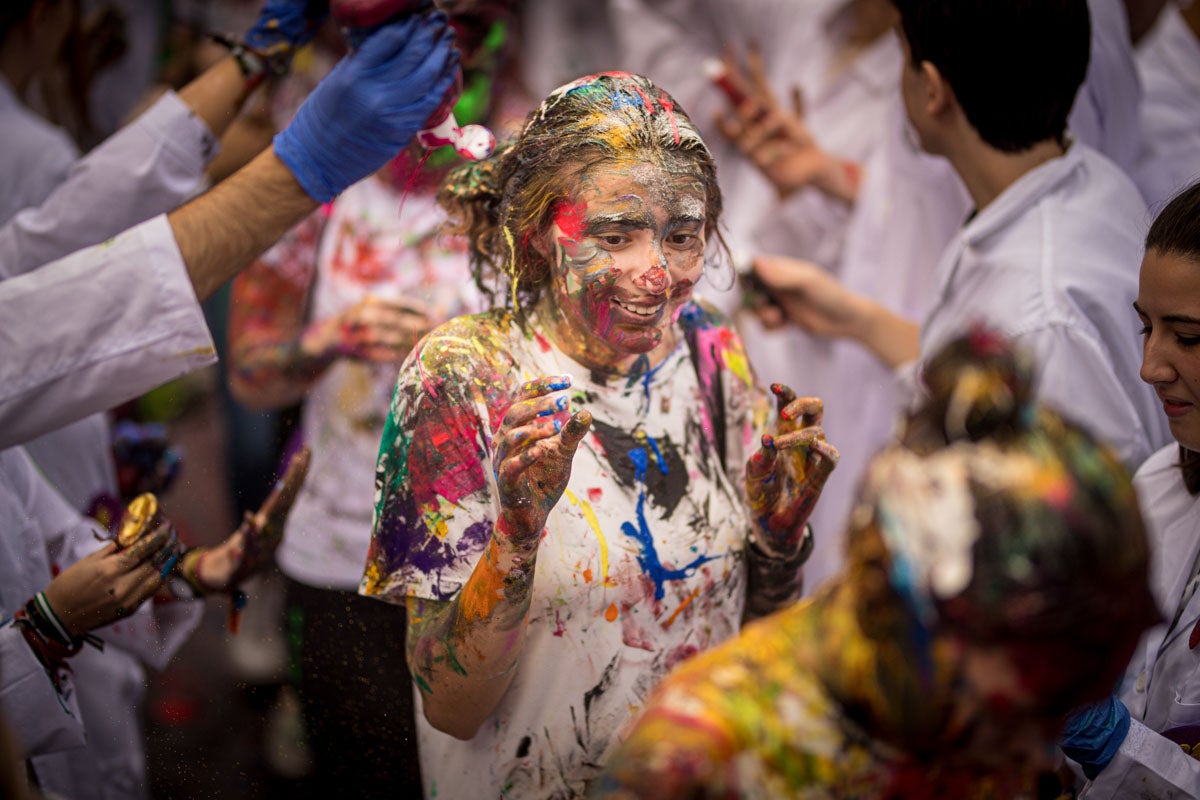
{"points": [[1000, 530], [606, 198]]}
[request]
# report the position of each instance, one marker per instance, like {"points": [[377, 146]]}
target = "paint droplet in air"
{"points": [[594, 494], [611, 613]]}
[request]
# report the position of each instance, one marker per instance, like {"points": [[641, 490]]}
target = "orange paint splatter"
{"points": [[611, 613], [671, 619], [587, 575]]}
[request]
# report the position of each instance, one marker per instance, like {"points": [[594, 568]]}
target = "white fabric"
{"points": [[135, 324], [368, 248], [1105, 114], [42, 533], [147, 168], [1168, 61], [599, 637], [35, 158], [1162, 684], [1053, 263]]}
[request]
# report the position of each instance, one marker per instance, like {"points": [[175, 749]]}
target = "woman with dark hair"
{"points": [[572, 496], [1151, 755], [996, 577]]}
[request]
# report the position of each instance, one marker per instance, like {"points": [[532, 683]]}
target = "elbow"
{"points": [[452, 722]]}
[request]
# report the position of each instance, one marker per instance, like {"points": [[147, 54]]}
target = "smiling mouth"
{"points": [[642, 310]]}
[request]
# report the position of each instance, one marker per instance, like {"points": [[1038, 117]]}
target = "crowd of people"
{"points": [[693, 443]]}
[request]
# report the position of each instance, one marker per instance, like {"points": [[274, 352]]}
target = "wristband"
{"points": [[782, 563], [255, 66]]}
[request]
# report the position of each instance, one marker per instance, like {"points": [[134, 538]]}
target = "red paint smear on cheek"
{"points": [[569, 217]]}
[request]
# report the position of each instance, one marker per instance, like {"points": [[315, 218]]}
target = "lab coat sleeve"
{"points": [[149, 167], [95, 329], [46, 721], [1147, 766], [1076, 378]]}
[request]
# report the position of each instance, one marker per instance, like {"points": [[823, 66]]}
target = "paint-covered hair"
{"points": [[1006, 525], [1176, 231], [505, 203]]}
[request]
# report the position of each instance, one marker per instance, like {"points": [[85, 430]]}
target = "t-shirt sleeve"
{"points": [[435, 497]]}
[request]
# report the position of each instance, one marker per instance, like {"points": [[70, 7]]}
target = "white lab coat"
{"points": [[1162, 684], [135, 324], [1053, 263], [1105, 114], [1168, 61], [149, 167], [42, 531]]}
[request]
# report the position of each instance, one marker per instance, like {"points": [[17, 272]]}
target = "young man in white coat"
{"points": [[1050, 253]]}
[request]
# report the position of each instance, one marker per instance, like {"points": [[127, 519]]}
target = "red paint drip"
{"points": [[669, 107], [412, 179]]}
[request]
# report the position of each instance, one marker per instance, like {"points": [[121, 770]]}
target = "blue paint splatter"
{"points": [[648, 559]]}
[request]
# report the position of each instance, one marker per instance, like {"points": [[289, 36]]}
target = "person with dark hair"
{"points": [[1147, 742], [1046, 255], [574, 492], [996, 578]]}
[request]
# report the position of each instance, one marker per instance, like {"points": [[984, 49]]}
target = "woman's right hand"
{"points": [[110, 584], [534, 449], [372, 329]]}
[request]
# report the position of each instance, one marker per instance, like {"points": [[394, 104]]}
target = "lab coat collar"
{"points": [[1022, 195]]}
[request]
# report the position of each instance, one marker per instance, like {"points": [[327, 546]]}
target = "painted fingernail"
{"points": [[562, 383], [563, 403], [170, 565], [777, 388], [557, 426], [768, 441]]}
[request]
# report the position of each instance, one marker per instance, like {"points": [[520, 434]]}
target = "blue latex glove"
{"points": [[287, 24], [370, 106], [1094, 733]]}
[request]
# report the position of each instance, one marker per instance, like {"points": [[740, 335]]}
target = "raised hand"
{"points": [[372, 329], [534, 449], [251, 546], [785, 476], [777, 140], [286, 25]]}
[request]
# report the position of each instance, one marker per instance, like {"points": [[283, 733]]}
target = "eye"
{"points": [[682, 239], [613, 240], [1145, 331], [1187, 341]]}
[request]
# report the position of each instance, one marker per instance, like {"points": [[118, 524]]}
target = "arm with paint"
{"points": [[464, 641], [784, 479]]}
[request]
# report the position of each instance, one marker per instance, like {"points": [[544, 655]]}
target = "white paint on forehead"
{"points": [[926, 514]]}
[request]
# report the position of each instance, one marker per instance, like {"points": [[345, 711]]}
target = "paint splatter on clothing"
{"points": [[641, 563], [359, 246]]}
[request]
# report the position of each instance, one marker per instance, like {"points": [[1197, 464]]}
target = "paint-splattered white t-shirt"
{"points": [[641, 564]]}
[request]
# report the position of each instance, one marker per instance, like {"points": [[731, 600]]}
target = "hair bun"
{"points": [[980, 386], [476, 181]]}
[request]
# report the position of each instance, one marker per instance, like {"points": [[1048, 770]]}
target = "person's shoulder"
{"points": [[699, 314], [471, 346]]}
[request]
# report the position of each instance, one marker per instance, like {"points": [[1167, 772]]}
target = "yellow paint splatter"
{"points": [[589, 514]]}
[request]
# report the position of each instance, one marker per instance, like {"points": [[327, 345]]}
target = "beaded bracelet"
{"points": [[52, 644], [255, 66]]}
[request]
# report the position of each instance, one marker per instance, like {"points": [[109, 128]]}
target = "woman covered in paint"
{"points": [[572, 497], [1146, 742], [996, 578]]}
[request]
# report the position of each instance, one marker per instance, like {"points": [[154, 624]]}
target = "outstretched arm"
{"points": [[463, 652]]}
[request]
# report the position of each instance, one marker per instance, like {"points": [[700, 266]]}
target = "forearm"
{"points": [[892, 339], [463, 654], [223, 230], [271, 374], [217, 95]]}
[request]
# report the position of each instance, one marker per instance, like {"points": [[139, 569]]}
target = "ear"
{"points": [[938, 96]]}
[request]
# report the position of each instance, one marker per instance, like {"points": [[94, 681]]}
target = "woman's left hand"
{"points": [[785, 476]]}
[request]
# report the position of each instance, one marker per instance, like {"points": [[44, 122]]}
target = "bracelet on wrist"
{"points": [[792, 561], [52, 644], [255, 65]]}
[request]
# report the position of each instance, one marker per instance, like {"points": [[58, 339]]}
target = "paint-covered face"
{"points": [[1168, 304], [627, 249]]}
